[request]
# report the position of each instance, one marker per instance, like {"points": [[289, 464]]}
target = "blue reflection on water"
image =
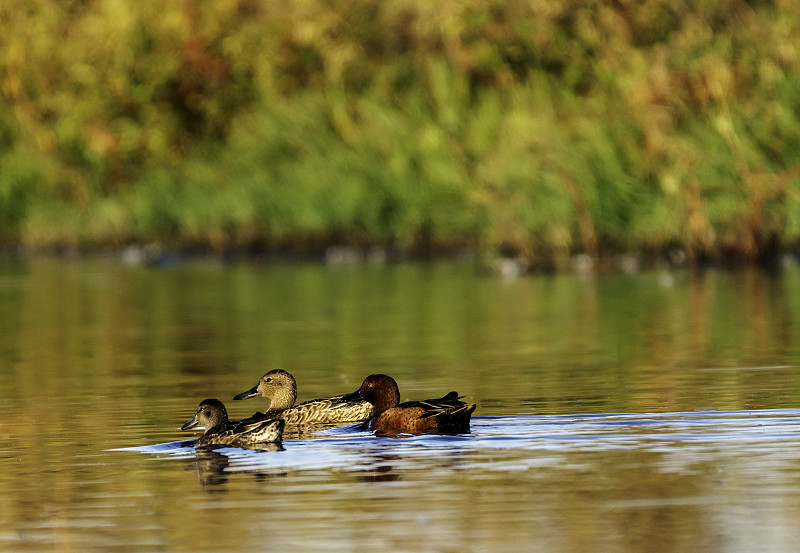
{"points": [[522, 442]]}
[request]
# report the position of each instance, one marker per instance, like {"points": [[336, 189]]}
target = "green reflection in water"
{"points": [[97, 355], [654, 341]]}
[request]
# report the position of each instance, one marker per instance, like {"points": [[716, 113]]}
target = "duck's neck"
{"points": [[281, 401], [386, 402]]}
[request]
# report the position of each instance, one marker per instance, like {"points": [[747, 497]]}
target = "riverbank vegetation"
{"points": [[538, 129]]}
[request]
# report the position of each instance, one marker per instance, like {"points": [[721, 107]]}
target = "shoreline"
{"points": [[490, 263]]}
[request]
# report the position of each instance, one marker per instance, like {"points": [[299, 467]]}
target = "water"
{"points": [[652, 412]]}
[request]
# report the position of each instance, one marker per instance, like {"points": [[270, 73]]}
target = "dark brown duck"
{"points": [[446, 415]]}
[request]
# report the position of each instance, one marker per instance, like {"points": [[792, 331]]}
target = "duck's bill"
{"points": [[190, 424], [352, 396], [252, 392]]}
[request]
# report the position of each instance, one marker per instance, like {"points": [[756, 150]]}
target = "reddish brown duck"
{"points": [[446, 415], [213, 416], [281, 389]]}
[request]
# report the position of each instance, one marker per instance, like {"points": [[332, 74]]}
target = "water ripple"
{"points": [[512, 443]]}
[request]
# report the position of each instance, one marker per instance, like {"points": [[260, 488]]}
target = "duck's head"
{"points": [[210, 413], [381, 391], [277, 385]]}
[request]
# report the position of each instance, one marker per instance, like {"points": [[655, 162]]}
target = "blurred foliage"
{"points": [[533, 127]]}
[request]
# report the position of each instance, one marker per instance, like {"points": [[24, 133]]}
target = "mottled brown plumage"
{"points": [[281, 389], [213, 416], [446, 415]]}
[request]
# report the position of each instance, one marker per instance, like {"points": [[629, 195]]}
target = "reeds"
{"points": [[532, 128]]}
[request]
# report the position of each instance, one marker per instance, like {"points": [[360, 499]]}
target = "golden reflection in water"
{"points": [[619, 342], [96, 356]]}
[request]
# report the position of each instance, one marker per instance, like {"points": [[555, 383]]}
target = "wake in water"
{"points": [[519, 442]]}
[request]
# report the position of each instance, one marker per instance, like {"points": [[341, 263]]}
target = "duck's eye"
{"points": [[268, 380]]}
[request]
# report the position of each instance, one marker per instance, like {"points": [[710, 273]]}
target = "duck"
{"points": [[280, 387], [255, 430], [445, 415]]}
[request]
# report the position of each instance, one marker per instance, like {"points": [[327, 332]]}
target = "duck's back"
{"points": [[447, 415], [255, 430], [332, 410]]}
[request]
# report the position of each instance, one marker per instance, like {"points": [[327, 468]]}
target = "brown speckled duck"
{"points": [[281, 389], [212, 415], [446, 415]]}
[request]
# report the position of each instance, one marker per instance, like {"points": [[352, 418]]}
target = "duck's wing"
{"points": [[255, 423], [449, 404], [336, 409], [332, 410], [256, 417], [263, 431], [335, 402], [257, 428]]}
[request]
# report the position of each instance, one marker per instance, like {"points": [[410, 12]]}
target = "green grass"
{"points": [[524, 127]]}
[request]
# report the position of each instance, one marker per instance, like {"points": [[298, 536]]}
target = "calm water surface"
{"points": [[622, 413]]}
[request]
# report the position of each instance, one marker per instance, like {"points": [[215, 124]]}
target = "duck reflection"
{"points": [[211, 466], [383, 470]]}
